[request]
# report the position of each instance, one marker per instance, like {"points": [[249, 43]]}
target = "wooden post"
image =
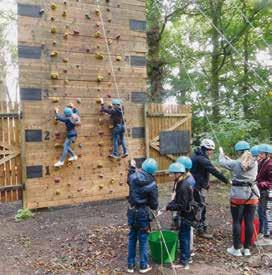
{"points": [[146, 130]]}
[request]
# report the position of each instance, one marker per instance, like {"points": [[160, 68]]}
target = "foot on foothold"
{"points": [[73, 158], [59, 164], [114, 156], [125, 155], [145, 269], [234, 252]]}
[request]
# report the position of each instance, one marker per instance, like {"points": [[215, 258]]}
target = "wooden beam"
{"points": [[158, 114], [11, 188], [146, 131]]}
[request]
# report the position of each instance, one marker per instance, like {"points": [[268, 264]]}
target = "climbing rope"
{"points": [[110, 58]]}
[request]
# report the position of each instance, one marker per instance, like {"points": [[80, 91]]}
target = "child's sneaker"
{"points": [[130, 269], [73, 158], [234, 252], [246, 252], [59, 164], [146, 269], [114, 156], [125, 155], [181, 266]]}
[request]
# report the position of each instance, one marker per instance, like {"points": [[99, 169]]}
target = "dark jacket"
{"points": [[202, 167], [183, 199], [70, 126], [264, 177], [116, 115], [143, 190]]}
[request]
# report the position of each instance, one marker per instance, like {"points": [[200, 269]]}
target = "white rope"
{"points": [[230, 44], [248, 21], [110, 58]]}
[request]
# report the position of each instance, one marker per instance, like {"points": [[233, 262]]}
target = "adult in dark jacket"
{"points": [[143, 194], [201, 170], [183, 204], [118, 131], [264, 180], [70, 137]]}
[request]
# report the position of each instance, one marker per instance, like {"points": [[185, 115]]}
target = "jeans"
{"points": [[240, 212], [67, 148], [200, 197], [262, 207], [185, 240], [118, 133], [138, 220]]}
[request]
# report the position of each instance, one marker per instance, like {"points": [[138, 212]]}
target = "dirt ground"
{"points": [[92, 239]]}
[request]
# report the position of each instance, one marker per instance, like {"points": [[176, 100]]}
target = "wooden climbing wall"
{"points": [[63, 58]]}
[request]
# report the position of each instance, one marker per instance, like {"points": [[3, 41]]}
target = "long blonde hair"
{"points": [[246, 160]]}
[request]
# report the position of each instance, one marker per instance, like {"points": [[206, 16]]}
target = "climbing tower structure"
{"points": [[77, 51]]}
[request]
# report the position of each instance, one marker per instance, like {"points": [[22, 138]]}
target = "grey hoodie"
{"points": [[243, 175]]}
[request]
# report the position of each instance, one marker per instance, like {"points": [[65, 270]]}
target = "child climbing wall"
{"points": [[72, 53]]}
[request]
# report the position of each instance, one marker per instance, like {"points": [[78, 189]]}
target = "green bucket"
{"points": [[157, 246]]}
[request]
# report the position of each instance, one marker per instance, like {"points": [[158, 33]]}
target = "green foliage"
{"points": [[23, 214]]}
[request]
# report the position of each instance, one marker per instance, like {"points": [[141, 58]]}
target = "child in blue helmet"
{"points": [[118, 132], [71, 135], [143, 194]]}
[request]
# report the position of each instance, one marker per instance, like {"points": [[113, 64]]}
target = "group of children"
{"points": [[71, 119], [251, 187]]}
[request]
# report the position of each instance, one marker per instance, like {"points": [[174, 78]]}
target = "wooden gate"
{"points": [[167, 133], [10, 159]]}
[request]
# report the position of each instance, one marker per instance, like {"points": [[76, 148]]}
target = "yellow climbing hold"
{"points": [[109, 19], [55, 75], [65, 36], [53, 6], [109, 41], [66, 81], [101, 186], [99, 78], [99, 165], [53, 54], [58, 145], [99, 56], [65, 60], [118, 58], [97, 12], [97, 34], [112, 180], [53, 29], [55, 99]]}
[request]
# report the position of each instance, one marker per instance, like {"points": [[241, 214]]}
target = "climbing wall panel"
{"points": [[63, 58]]}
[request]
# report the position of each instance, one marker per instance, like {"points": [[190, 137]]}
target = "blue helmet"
{"points": [[241, 146], [116, 101], [264, 148], [269, 149], [68, 111], [150, 166], [255, 150], [186, 161], [176, 168]]}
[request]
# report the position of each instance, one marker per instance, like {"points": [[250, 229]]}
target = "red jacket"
{"points": [[264, 177]]}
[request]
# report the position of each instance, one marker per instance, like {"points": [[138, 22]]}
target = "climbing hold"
{"points": [[98, 47], [53, 6], [87, 16], [112, 181], [119, 69], [111, 126], [78, 167], [66, 81], [88, 50], [97, 24], [109, 73], [55, 99], [109, 19], [58, 145], [99, 78], [65, 3], [118, 58], [54, 54], [41, 11], [54, 75], [109, 96], [100, 143], [121, 183], [65, 60], [111, 191], [52, 18], [101, 133], [101, 176], [98, 100], [108, 9], [109, 41], [64, 14], [121, 173], [99, 56], [107, 1], [65, 71], [99, 89], [97, 34], [78, 100], [57, 192], [80, 178], [100, 120], [77, 66], [97, 12], [76, 32], [101, 186], [57, 179], [53, 29], [54, 42], [99, 165], [65, 36], [118, 36], [110, 84]]}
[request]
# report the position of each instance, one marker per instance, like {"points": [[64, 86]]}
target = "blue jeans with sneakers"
{"points": [[138, 220], [184, 240], [118, 133], [262, 207], [67, 148]]}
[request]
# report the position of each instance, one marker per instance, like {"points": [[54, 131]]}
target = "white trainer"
{"points": [[145, 270], [73, 158], [59, 163], [246, 252], [234, 252]]}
